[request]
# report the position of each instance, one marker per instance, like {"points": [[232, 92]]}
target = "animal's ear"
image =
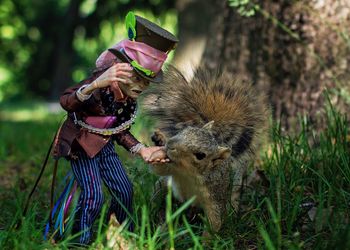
{"points": [[222, 154], [209, 125]]}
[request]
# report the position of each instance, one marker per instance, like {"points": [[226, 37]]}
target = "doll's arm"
{"points": [[69, 100], [126, 139], [74, 98], [119, 72], [130, 143]]}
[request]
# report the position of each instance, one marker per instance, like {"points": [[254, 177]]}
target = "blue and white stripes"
{"points": [[89, 173]]}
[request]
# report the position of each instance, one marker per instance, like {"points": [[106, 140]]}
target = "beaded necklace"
{"points": [[111, 107], [107, 131]]}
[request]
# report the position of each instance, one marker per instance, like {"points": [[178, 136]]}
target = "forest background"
{"points": [[291, 50]]}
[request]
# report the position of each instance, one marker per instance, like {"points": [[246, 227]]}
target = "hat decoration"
{"points": [[130, 23], [146, 48], [145, 59], [147, 72]]}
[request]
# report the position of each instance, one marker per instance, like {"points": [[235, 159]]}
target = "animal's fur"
{"points": [[212, 128]]}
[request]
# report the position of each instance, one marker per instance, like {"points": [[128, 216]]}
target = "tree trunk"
{"points": [[63, 52], [194, 18], [292, 61]]}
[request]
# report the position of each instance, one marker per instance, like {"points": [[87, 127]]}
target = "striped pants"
{"points": [[89, 173]]}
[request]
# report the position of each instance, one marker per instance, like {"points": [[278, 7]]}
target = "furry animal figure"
{"points": [[211, 127]]}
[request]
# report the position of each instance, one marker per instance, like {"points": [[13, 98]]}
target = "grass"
{"points": [[306, 206]]}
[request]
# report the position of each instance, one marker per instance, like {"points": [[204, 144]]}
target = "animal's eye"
{"points": [[200, 155]]}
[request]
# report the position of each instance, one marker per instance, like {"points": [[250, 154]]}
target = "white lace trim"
{"points": [[135, 149], [82, 97]]}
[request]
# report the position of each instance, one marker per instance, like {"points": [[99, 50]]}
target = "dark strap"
{"points": [[52, 190], [39, 177], [18, 224]]}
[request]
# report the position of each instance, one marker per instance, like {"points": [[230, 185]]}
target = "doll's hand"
{"points": [[154, 154], [158, 156], [119, 72]]}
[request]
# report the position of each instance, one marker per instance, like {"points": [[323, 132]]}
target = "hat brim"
{"points": [[124, 58]]}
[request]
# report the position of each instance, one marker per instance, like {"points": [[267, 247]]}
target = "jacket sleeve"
{"points": [[69, 100], [126, 139]]}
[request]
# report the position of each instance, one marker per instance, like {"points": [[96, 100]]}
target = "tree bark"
{"points": [[293, 60], [194, 17]]}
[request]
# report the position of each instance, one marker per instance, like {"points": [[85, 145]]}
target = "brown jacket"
{"points": [[71, 137]]}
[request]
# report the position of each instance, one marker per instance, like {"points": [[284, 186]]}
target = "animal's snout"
{"points": [[172, 147], [172, 143]]}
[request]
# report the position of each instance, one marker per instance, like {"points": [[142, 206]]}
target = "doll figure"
{"points": [[101, 110]]}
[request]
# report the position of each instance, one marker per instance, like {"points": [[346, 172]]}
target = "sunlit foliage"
{"points": [[48, 45]]}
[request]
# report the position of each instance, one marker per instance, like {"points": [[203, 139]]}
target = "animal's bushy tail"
{"points": [[235, 106]]}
